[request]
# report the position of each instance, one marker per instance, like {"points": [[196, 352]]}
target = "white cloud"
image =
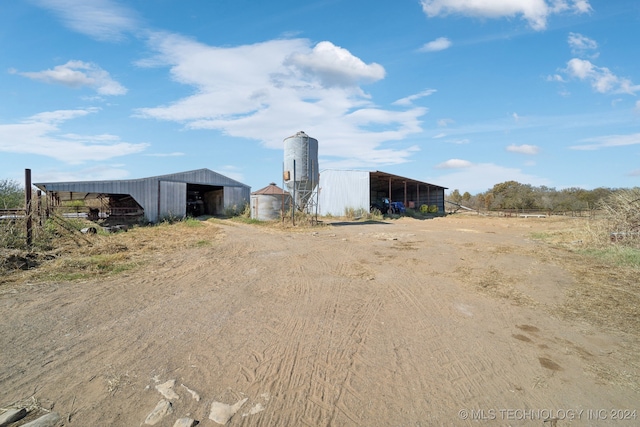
{"points": [[480, 177], [335, 66], [97, 173], [601, 78], [523, 149], [100, 19], [440, 135], [441, 43], [580, 44], [409, 99], [59, 116], [445, 122], [634, 173], [582, 6], [174, 154], [40, 134], [459, 141], [608, 141], [267, 91], [555, 78], [76, 74], [105, 137], [454, 164], [535, 12]]}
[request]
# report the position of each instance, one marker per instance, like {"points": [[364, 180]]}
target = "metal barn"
{"points": [[341, 190], [197, 192]]}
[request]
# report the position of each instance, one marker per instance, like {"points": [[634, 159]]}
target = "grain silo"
{"points": [[301, 174], [269, 203]]}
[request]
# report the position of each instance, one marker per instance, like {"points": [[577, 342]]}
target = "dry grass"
{"points": [[83, 256], [606, 290], [604, 294], [115, 381]]}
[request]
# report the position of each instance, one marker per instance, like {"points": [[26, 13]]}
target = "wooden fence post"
{"points": [[27, 206]]}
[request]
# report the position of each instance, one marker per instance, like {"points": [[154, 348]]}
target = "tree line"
{"points": [[514, 195]]}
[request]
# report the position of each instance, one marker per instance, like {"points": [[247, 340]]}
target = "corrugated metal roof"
{"points": [[198, 176], [146, 191], [398, 178], [271, 189]]}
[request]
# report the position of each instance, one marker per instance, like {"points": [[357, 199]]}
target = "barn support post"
{"points": [[405, 193], [27, 205], [390, 198], [293, 211]]}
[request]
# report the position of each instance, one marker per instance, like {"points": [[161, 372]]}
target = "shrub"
{"points": [[11, 195], [352, 213], [622, 215], [235, 210], [375, 214]]}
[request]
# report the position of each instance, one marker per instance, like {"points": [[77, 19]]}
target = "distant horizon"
{"points": [[459, 94]]}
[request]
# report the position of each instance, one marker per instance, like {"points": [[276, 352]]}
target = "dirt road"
{"points": [[452, 321]]}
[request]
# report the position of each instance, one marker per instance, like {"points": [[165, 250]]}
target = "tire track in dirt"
{"points": [[310, 383]]}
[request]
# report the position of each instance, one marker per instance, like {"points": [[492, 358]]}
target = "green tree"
{"points": [[11, 194], [488, 200], [513, 195], [455, 196]]}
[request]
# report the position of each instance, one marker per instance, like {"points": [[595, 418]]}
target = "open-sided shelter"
{"points": [[341, 190], [197, 192]]}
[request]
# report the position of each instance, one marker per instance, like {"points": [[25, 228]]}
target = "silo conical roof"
{"points": [[272, 188]]}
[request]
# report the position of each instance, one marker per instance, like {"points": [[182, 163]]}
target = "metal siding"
{"points": [[343, 189], [267, 207], [173, 199], [145, 190], [236, 197], [202, 176]]}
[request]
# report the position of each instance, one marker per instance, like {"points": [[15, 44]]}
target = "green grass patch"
{"points": [[618, 255], [246, 220], [191, 222], [69, 269]]}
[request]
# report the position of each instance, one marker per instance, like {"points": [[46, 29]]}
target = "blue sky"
{"points": [[460, 93]]}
